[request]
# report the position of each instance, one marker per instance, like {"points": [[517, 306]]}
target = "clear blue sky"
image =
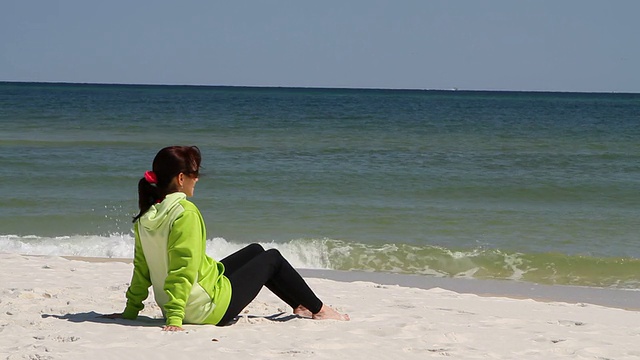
{"points": [[560, 45]]}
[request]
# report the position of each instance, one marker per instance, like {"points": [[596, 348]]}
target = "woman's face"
{"points": [[188, 184]]}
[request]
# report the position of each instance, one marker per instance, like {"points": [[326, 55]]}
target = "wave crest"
{"points": [[477, 263]]}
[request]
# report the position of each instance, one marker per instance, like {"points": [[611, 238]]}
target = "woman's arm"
{"points": [[140, 281]]}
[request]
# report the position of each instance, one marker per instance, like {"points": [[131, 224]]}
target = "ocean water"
{"points": [[536, 187]]}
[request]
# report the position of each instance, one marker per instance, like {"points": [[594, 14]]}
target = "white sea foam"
{"points": [[310, 254]]}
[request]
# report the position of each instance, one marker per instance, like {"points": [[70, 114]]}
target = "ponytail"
{"points": [[148, 194]]}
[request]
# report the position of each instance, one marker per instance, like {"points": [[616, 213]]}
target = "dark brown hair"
{"points": [[168, 163]]}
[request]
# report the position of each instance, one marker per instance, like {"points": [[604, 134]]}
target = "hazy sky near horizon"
{"points": [[541, 45]]}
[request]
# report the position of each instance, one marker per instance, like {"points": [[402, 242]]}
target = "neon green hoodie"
{"points": [[170, 243]]}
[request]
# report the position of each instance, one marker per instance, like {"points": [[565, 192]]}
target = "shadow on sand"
{"points": [[94, 317]]}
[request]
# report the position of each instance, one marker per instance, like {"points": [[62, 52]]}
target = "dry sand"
{"points": [[49, 308]]}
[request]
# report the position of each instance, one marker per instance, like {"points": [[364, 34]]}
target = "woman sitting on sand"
{"points": [[189, 286]]}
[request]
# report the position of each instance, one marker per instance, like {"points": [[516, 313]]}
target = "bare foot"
{"points": [[328, 313], [302, 312]]}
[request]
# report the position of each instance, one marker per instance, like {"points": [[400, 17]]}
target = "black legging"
{"points": [[251, 268]]}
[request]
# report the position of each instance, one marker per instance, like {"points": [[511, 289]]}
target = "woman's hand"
{"points": [[172, 328], [111, 316]]}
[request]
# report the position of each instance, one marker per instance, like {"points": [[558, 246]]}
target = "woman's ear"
{"points": [[180, 180]]}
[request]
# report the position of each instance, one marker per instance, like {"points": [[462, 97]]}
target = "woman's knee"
{"points": [[255, 247], [274, 253], [275, 257]]}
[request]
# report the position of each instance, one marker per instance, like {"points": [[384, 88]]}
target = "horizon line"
{"points": [[452, 89]]}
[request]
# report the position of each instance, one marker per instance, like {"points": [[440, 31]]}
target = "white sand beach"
{"points": [[49, 308]]}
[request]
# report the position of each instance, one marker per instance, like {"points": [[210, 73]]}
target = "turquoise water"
{"points": [[539, 187]]}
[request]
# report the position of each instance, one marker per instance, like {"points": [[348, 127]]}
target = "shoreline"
{"points": [[614, 298]]}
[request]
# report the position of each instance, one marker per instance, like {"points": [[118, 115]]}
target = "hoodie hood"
{"points": [[158, 213]]}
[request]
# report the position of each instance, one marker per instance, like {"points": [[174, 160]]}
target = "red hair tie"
{"points": [[151, 178]]}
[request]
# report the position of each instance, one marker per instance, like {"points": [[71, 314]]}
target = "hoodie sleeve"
{"points": [[185, 250], [140, 281]]}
